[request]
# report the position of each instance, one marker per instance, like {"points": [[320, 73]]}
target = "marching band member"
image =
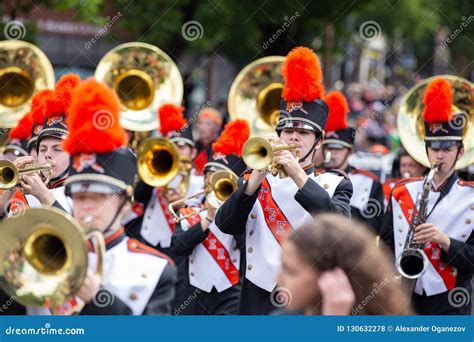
{"points": [[266, 208], [156, 226], [210, 271], [367, 197], [209, 126], [102, 171], [49, 149], [38, 102], [18, 138], [407, 167], [331, 267], [447, 234]]}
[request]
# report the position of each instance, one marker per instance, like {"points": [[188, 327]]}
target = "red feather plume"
{"points": [[23, 129], [338, 109], [171, 118], [438, 100], [233, 137], [303, 76], [38, 103], [93, 120], [60, 102]]}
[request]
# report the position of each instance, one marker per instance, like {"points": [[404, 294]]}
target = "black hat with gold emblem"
{"points": [[100, 160], [302, 105]]}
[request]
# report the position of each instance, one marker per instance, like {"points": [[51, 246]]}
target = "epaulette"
{"points": [[339, 172], [462, 182], [138, 247], [366, 173]]}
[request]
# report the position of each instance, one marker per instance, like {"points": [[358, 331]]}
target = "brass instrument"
{"points": [[10, 174], [255, 94], [180, 184], [412, 262], [410, 122], [24, 70], [45, 257], [221, 186], [259, 153], [158, 161], [143, 77]]}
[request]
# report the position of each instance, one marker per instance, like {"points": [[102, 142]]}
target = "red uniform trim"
{"points": [[138, 247], [366, 173]]}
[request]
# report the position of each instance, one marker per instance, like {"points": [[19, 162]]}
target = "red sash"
{"points": [[215, 248], [274, 217], [164, 207], [432, 249]]}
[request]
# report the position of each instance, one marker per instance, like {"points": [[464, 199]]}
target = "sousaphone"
{"points": [[255, 94], [410, 122], [143, 77], [24, 70]]}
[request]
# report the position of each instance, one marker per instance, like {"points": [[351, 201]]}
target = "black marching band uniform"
{"points": [[278, 206], [450, 208], [153, 223], [367, 197], [208, 277]]}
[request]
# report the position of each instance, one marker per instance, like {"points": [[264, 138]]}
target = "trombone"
{"points": [[45, 258], [10, 174], [222, 185], [259, 153], [159, 163]]}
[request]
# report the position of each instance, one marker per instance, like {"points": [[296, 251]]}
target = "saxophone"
{"points": [[412, 262]]}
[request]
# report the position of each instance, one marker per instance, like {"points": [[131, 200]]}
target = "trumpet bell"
{"points": [[257, 153], [44, 255], [222, 184], [8, 174], [24, 70], [255, 94], [410, 122], [158, 161], [143, 77]]}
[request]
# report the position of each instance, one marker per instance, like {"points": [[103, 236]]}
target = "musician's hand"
{"points": [[89, 288], [428, 232], [337, 294], [22, 161], [32, 184], [211, 212], [254, 181], [291, 166]]}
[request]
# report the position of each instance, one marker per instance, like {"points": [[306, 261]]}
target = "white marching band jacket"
{"points": [[454, 215]]}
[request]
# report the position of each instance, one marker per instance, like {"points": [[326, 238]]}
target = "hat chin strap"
{"points": [[107, 229], [311, 151]]}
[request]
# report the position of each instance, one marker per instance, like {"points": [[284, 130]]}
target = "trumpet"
{"points": [[221, 186], [45, 258], [10, 174], [412, 262], [259, 153]]}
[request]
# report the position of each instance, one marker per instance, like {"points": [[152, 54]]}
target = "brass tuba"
{"points": [[24, 70], [10, 174], [222, 185], [143, 77], [410, 122], [255, 94], [259, 153], [45, 257]]}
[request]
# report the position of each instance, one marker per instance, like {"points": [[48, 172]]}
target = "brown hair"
{"points": [[336, 241]]}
